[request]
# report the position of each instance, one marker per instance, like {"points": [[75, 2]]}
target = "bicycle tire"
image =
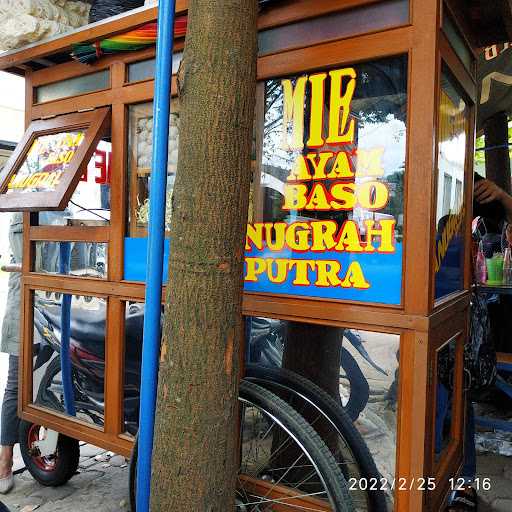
{"points": [[272, 378], [304, 435]]}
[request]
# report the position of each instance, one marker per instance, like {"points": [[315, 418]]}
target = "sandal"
{"points": [[463, 500], [6, 484]]}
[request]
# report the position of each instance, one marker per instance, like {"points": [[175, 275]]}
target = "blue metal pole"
{"points": [[154, 269], [65, 334]]}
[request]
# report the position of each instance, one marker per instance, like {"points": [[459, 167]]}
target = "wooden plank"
{"points": [[412, 406], [419, 179], [295, 10], [76, 429], [26, 328], [74, 68], [344, 51], [99, 30], [290, 499], [114, 367], [466, 81], [504, 358], [70, 233], [446, 465], [85, 286], [118, 191], [133, 93], [445, 310], [359, 316]]}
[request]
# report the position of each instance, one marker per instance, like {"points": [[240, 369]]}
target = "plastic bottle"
{"points": [[480, 266], [507, 267]]}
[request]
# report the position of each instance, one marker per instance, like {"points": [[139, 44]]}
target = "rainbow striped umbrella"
{"points": [[133, 40]]}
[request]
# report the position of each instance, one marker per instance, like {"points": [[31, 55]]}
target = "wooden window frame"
{"points": [[95, 123]]}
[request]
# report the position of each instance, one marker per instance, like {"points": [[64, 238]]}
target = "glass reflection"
{"points": [[145, 69], [90, 203], [134, 323], [444, 397], [337, 25], [140, 143], [47, 160], [83, 259], [359, 369], [449, 250], [87, 318], [73, 86], [328, 203]]}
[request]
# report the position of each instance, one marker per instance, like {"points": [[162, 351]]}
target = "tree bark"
{"points": [[314, 351], [195, 448], [497, 160]]}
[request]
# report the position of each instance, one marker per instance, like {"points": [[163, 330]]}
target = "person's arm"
{"points": [[487, 191]]}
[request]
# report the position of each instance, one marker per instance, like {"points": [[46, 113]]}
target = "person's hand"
{"points": [[487, 191]]}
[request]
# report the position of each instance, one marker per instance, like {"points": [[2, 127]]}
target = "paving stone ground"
{"points": [[499, 469], [101, 485]]}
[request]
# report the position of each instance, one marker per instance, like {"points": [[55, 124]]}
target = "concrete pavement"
{"points": [[101, 485]]}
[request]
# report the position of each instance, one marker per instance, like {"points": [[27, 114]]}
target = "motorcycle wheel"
{"points": [[47, 397], [53, 470], [359, 390]]}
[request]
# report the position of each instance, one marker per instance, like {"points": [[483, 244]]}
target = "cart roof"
{"points": [[56, 50], [483, 22]]}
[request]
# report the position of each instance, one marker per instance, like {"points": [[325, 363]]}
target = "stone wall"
{"points": [[27, 21]]}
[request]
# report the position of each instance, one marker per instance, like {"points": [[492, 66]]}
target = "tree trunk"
{"points": [[195, 448], [497, 160], [314, 351]]}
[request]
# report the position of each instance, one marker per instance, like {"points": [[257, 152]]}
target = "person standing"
{"points": [[9, 343], [494, 205]]}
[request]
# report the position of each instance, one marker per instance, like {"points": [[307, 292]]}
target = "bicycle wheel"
{"points": [[284, 463], [285, 466], [334, 427]]}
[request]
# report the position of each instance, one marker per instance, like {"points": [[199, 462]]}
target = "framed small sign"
{"points": [[47, 164]]}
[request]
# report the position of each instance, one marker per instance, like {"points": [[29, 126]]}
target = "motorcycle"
{"points": [[266, 346]]}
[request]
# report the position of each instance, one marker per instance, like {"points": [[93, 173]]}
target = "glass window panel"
{"points": [[140, 144], [444, 397], [84, 259], [145, 69], [73, 86], [370, 18], [328, 200], [45, 163], [458, 43], [449, 253], [87, 354], [358, 367], [134, 324], [479, 158], [90, 202]]}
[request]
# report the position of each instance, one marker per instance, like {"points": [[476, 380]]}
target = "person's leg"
{"points": [[469, 468], [9, 423], [466, 498]]}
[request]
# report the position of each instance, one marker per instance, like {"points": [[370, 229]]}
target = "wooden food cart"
{"points": [[360, 214]]}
